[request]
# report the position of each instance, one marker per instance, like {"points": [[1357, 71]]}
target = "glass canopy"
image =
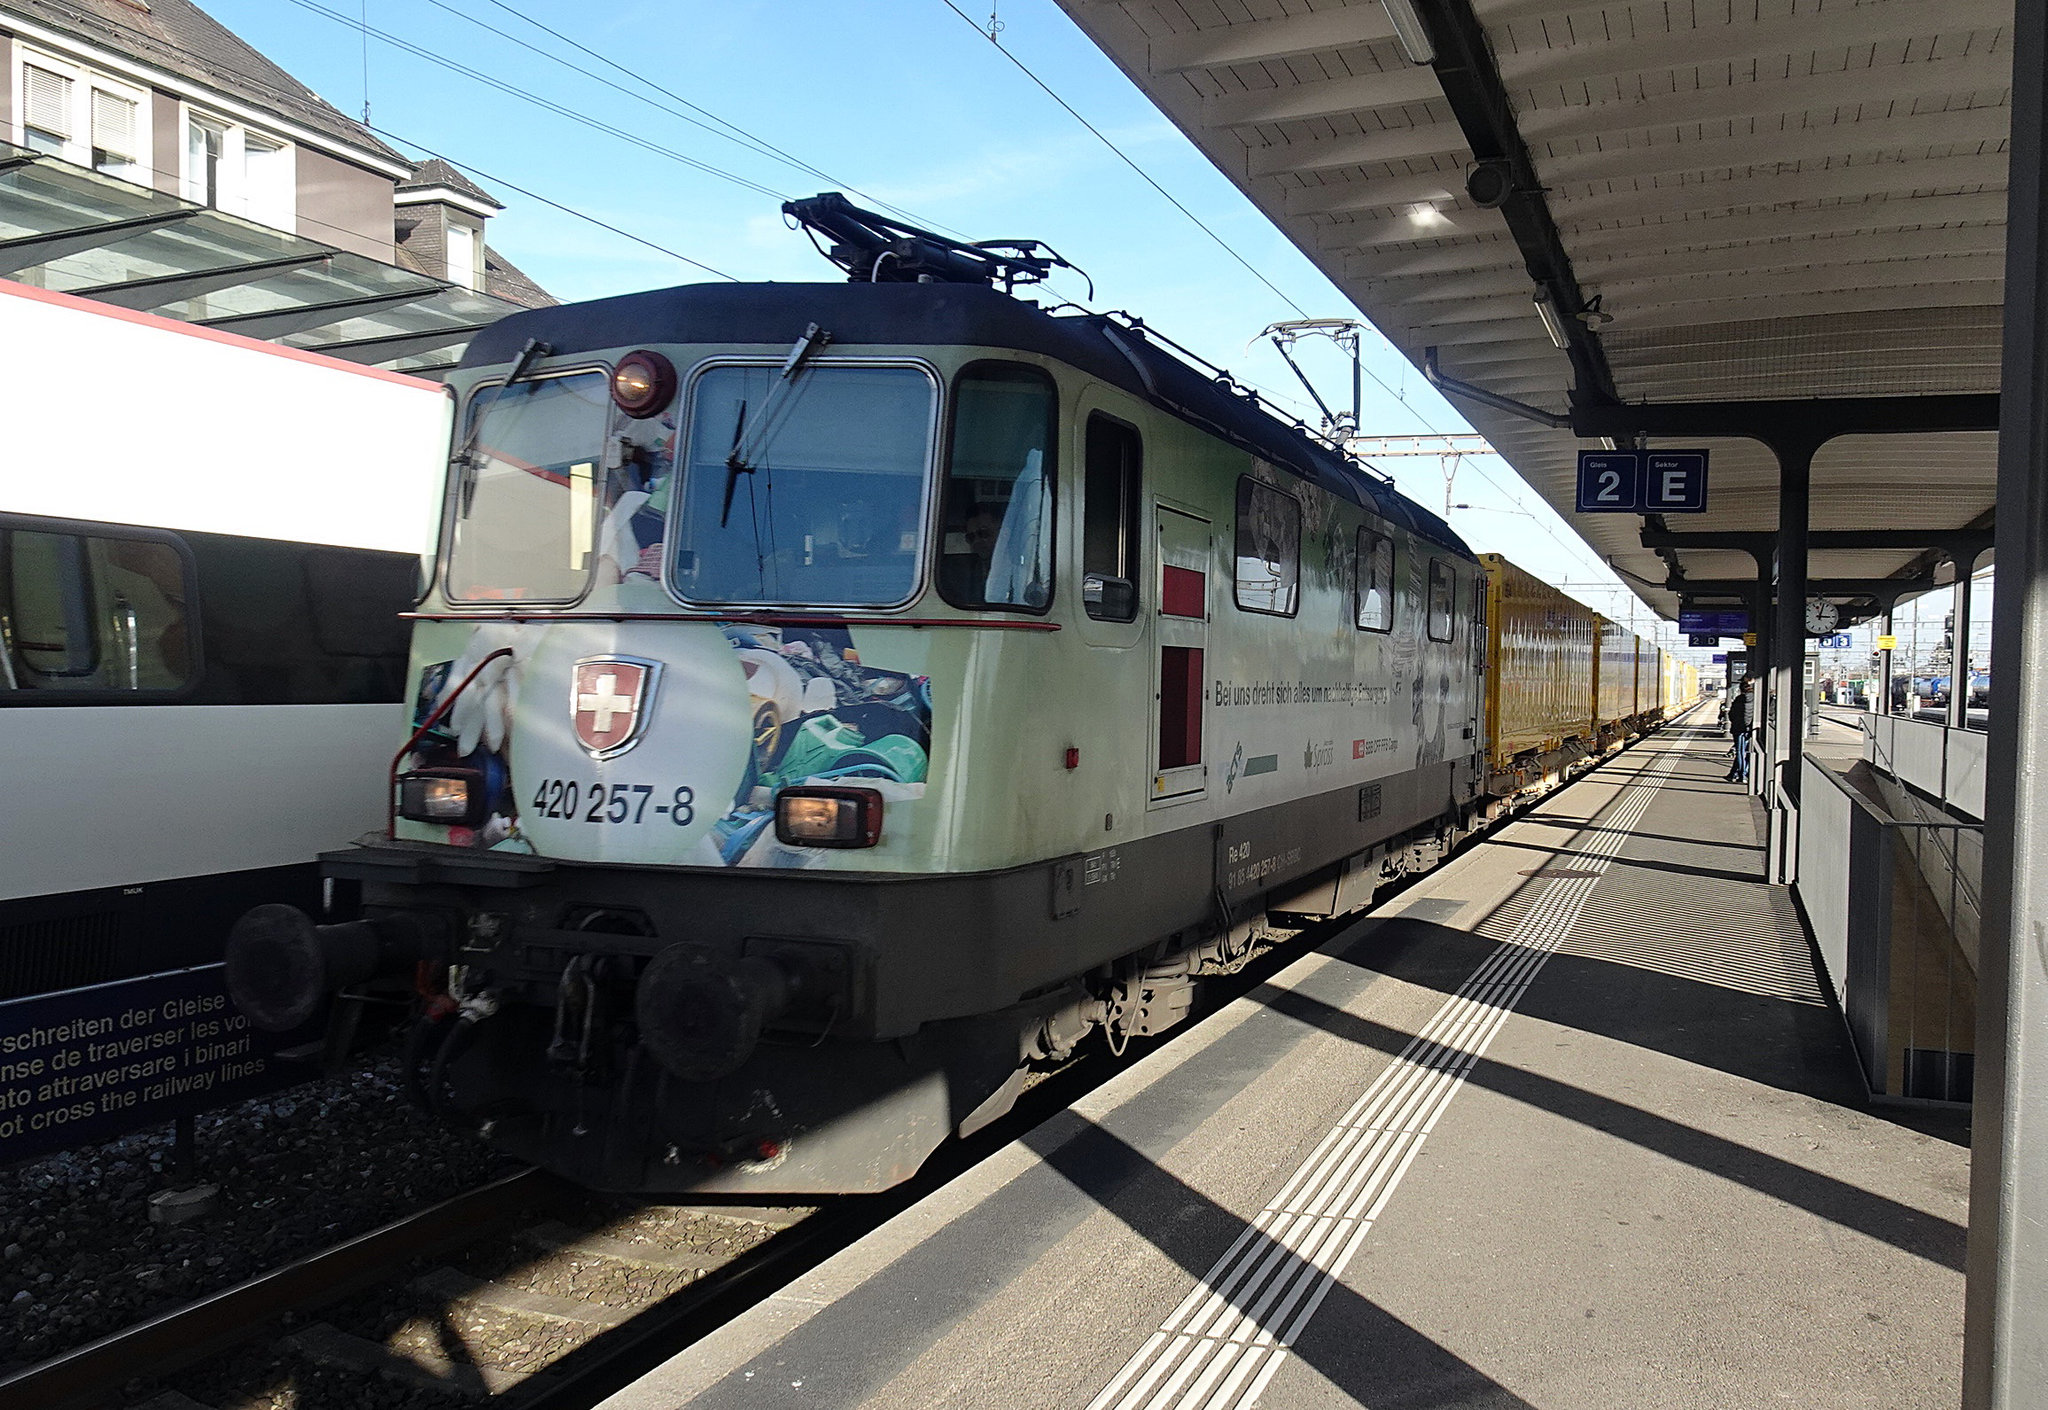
{"points": [[65, 228]]}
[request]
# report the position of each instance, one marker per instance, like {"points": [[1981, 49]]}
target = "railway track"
{"points": [[527, 1292]]}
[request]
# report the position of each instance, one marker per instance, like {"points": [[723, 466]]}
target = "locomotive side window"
{"points": [[1109, 519], [808, 490], [91, 613], [1375, 582], [998, 545], [1443, 600], [1268, 549], [524, 518]]}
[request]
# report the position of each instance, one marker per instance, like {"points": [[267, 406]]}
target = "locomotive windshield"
{"points": [[525, 502], [826, 506]]}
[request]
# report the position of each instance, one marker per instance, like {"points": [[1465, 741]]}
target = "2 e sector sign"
{"points": [[1642, 482]]}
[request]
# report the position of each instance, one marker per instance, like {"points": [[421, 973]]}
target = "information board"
{"points": [[88, 1064], [1716, 623], [1642, 482]]}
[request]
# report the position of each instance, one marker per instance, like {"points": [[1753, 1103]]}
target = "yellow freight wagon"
{"points": [[1649, 681], [1614, 694], [1539, 682]]}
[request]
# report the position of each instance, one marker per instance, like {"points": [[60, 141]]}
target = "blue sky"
{"points": [[901, 99]]}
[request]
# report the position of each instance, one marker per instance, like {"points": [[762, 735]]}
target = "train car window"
{"points": [[1375, 587], [1443, 601], [524, 519], [996, 550], [1109, 518], [94, 613], [826, 508], [1268, 549]]}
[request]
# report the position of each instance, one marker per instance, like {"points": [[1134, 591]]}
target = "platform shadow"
{"points": [[1377, 1359], [1878, 1216]]}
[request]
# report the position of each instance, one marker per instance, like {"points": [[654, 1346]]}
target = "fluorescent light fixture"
{"points": [[1609, 443], [1409, 30], [1552, 323]]}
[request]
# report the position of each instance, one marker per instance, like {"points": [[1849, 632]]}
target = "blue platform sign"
{"points": [[1610, 482], [1642, 482], [1720, 658], [1675, 482], [1713, 623], [89, 1064]]}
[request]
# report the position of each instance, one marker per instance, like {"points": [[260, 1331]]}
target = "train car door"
{"points": [[1180, 771]]}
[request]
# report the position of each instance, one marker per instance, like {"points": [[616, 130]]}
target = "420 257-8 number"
{"points": [[612, 802]]}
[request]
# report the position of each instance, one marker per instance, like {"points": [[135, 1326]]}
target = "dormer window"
{"points": [[230, 168], [462, 260], [81, 116]]}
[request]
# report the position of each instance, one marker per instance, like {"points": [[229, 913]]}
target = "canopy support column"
{"points": [[1959, 645], [2005, 1338], [1788, 656]]}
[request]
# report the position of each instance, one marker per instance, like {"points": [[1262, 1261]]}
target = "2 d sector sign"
{"points": [[1642, 482]]}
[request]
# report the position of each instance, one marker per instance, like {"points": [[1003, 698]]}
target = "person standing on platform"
{"points": [[1739, 712]]}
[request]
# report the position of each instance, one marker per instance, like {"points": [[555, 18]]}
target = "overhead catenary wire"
{"points": [[558, 109], [299, 100]]}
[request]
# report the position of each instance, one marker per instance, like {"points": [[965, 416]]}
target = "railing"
{"points": [[1906, 984]]}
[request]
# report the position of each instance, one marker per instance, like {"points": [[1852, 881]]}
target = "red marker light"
{"points": [[1073, 757]]}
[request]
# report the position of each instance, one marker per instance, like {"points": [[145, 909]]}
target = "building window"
{"points": [[82, 117], [462, 259], [229, 168]]}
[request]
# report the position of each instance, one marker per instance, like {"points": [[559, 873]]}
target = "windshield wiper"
{"points": [[740, 460], [533, 352]]}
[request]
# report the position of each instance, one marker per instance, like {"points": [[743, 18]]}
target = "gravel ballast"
{"points": [[297, 1171]]}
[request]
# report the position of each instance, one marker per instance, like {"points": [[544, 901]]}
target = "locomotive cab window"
{"points": [[997, 547], [1109, 520], [93, 613], [1268, 549], [1443, 600], [808, 489], [1375, 582], [523, 526]]}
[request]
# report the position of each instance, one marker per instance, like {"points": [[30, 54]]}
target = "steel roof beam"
{"points": [[283, 322], [164, 289], [1282, 37], [391, 349], [1793, 423], [25, 250], [1471, 80], [1951, 542], [1746, 588]]}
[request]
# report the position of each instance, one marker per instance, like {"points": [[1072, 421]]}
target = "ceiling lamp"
{"points": [[1552, 323], [1409, 29]]}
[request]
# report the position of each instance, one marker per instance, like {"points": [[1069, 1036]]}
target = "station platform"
{"points": [[1569, 1123]]}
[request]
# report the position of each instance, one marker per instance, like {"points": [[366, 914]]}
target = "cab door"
{"points": [[1180, 694]]}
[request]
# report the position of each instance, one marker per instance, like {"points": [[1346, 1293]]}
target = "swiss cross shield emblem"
{"points": [[610, 701]]}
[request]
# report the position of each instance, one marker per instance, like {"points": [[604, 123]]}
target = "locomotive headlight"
{"points": [[644, 383], [454, 797], [828, 817]]}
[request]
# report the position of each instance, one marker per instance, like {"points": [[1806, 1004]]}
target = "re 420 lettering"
{"points": [[611, 803]]}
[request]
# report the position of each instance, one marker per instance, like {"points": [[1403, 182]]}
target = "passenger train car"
{"points": [[205, 546], [833, 699]]}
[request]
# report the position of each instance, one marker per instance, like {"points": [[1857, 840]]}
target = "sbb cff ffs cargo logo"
{"points": [[610, 700]]}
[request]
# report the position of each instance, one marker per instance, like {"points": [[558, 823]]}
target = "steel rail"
{"points": [[207, 1325]]}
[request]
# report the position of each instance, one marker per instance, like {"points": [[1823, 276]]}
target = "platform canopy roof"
{"points": [[1724, 202], [77, 231]]}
